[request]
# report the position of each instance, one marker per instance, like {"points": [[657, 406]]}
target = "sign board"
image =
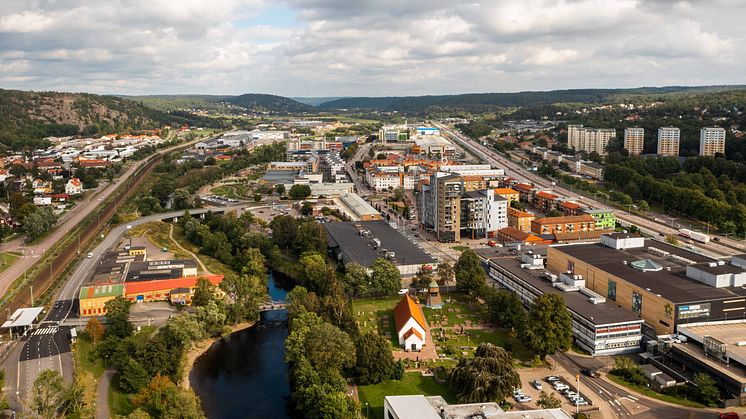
{"points": [[694, 311]]}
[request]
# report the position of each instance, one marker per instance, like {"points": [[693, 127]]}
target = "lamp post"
{"points": [[129, 234]]}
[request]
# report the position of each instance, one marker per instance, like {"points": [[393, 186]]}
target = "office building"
{"points": [[634, 140], [666, 285], [668, 141], [435, 407], [711, 141], [589, 139]]}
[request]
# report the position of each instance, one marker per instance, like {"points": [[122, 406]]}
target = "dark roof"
{"points": [[718, 269], [345, 237], [672, 284], [603, 313]]}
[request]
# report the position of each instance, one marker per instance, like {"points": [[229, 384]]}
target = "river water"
{"points": [[244, 375]]}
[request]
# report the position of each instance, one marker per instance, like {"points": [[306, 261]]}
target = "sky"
{"points": [[322, 48]]}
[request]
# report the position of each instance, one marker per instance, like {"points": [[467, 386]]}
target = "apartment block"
{"points": [[668, 141], [520, 220], [571, 224], [711, 141], [634, 140], [589, 139], [448, 208]]}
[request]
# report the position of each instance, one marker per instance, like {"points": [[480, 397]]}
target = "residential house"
{"points": [[74, 186], [546, 201], [553, 225]]}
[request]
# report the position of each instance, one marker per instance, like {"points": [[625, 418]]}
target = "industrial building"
{"points": [[365, 241]]}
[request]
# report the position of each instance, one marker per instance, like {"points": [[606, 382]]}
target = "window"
{"points": [[611, 290]]}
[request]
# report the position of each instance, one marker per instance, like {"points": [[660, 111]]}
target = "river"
{"points": [[244, 375]]}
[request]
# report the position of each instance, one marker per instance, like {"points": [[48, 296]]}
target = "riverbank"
{"points": [[199, 348]]}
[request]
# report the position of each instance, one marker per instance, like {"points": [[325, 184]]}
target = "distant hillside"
{"points": [[270, 103], [476, 102], [228, 104], [27, 117], [316, 101], [168, 103]]}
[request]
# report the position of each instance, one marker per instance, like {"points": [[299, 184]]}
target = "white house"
{"points": [[74, 186], [42, 200], [410, 324]]}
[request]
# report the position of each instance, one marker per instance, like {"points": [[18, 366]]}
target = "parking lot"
{"points": [[528, 375]]}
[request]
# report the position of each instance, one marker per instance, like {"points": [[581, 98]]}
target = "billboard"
{"points": [[694, 311]]}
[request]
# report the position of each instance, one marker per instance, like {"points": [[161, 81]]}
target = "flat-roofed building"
{"points": [[589, 139], [598, 325], [508, 193], [668, 141], [363, 242], [605, 218], [634, 140], [711, 141], [666, 285], [361, 209], [435, 407]]}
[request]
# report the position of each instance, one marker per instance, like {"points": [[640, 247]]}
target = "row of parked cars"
{"points": [[562, 388]]}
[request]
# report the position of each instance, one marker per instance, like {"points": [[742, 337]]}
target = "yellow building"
{"points": [[520, 220], [508, 193], [93, 299]]}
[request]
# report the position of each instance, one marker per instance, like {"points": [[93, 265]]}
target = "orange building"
{"points": [[571, 208], [513, 235], [160, 290], [553, 225], [520, 220], [474, 183], [545, 201]]}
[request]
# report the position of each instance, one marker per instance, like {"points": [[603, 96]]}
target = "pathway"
{"points": [[102, 394], [171, 236]]}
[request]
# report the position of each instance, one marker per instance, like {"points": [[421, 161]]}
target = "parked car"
{"points": [[517, 392], [729, 415], [581, 402], [589, 372], [523, 399], [404, 291], [551, 379], [560, 386], [89, 256], [537, 384]]}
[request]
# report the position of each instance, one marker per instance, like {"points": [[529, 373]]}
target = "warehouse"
{"points": [[365, 241]]}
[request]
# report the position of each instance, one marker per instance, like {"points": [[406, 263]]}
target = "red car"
{"points": [[729, 415]]}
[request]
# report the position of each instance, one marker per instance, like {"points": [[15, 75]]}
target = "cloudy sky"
{"points": [[376, 47]]}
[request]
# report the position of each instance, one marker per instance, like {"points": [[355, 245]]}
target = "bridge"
{"points": [[270, 305]]}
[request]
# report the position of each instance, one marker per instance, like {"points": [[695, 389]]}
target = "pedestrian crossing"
{"points": [[45, 331]]}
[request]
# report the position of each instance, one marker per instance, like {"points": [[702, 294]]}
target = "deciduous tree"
{"points": [[374, 361], [548, 326], [385, 278], [470, 276], [488, 377], [94, 329], [117, 317]]}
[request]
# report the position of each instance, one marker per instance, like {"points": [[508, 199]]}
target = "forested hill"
{"points": [[476, 102], [270, 103], [253, 102], [27, 117]]}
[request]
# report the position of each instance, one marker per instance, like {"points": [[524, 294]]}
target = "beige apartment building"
{"points": [[634, 140], [711, 141], [589, 139], [668, 141]]}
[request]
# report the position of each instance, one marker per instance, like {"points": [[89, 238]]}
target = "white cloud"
{"points": [[356, 47]]}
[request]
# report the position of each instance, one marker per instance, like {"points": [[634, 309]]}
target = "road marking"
{"points": [[632, 397]]}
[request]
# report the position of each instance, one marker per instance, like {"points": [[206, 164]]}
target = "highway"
{"points": [[725, 247]]}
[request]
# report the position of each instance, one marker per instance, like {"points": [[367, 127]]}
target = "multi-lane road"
{"points": [[723, 247]]}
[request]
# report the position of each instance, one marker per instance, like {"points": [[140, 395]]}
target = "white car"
{"points": [[537, 384], [517, 392], [581, 402], [523, 399], [560, 387], [403, 291]]}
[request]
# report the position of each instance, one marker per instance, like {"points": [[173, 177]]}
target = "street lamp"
{"points": [[129, 233]]}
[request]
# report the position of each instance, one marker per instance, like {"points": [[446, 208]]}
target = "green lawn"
{"points": [[370, 313], [413, 383], [120, 403], [654, 394], [233, 191], [87, 359], [460, 248]]}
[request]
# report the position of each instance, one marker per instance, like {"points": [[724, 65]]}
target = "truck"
{"points": [[694, 235]]}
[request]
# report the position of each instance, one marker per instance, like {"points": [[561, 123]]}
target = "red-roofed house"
{"points": [[525, 191], [545, 201], [410, 324], [74, 186], [570, 208], [94, 163]]}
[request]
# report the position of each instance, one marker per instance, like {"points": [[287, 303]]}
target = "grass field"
{"points": [[157, 233], [233, 191], [412, 383], [213, 265], [370, 314]]}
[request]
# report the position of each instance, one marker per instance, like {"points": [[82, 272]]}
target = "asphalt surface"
{"points": [[724, 247]]}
